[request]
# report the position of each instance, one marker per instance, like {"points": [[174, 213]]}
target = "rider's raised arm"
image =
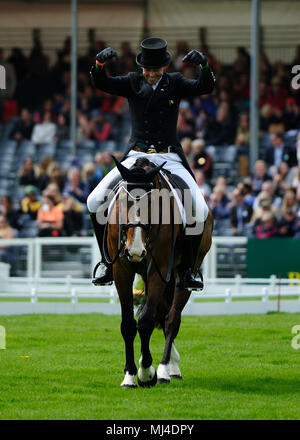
{"points": [[205, 82], [118, 85]]}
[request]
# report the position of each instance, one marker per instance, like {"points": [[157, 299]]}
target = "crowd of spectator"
{"points": [[263, 202]]}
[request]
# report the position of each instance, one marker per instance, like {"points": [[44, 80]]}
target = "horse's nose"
{"points": [[134, 256]]}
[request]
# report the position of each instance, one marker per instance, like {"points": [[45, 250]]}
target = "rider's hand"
{"points": [[196, 57], [104, 55]]}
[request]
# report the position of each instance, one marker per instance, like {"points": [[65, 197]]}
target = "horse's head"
{"points": [[139, 181]]}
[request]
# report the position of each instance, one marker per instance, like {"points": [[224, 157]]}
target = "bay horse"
{"points": [[138, 245]]}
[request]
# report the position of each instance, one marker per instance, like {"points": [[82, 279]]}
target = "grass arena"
{"points": [[70, 367]]}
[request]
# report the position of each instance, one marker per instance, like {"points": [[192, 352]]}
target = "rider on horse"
{"points": [[154, 96]]}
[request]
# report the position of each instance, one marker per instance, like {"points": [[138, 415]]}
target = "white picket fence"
{"points": [[68, 294]]}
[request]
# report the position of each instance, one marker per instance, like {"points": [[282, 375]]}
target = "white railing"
{"points": [[36, 293]]}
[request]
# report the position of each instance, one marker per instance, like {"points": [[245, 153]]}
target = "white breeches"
{"points": [[173, 164]]}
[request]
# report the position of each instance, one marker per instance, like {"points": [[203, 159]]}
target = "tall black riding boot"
{"points": [[107, 277], [186, 268]]}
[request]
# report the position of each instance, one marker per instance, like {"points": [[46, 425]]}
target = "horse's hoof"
{"points": [[176, 376], [163, 380], [150, 383]]}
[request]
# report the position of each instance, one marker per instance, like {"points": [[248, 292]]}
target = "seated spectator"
{"points": [[83, 128], [62, 128], [56, 174], [260, 175], [243, 129], [220, 203], [264, 205], [221, 131], [296, 183], [73, 215], [291, 114], [268, 187], [75, 186], [99, 128], [267, 228], [7, 254], [6, 231], [30, 204], [201, 159], [50, 218], [201, 182], [278, 153], [186, 122], [7, 209], [108, 162], [247, 189], [186, 144], [89, 179], [296, 227], [99, 166], [53, 190], [283, 179], [28, 174], [240, 213], [289, 211], [43, 178], [45, 131], [23, 127]]}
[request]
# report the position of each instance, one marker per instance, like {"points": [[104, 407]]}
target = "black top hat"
{"points": [[154, 53]]}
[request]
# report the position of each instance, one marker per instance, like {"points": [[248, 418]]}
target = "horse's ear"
{"points": [[152, 173], [125, 173]]}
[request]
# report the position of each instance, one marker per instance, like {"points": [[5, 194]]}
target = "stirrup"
{"points": [[105, 279]]}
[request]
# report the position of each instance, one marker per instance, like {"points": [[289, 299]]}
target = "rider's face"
{"points": [[153, 75]]}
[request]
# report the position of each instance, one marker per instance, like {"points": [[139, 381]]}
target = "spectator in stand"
{"points": [[56, 174], [289, 211], [50, 218], [74, 186], [220, 203], [267, 228], [99, 129], [185, 123], [45, 131], [43, 178], [284, 177], [83, 128], [53, 190], [108, 163], [89, 179], [186, 144], [291, 114], [201, 182], [62, 128], [30, 204], [201, 159], [28, 174], [269, 188], [296, 227], [240, 213], [247, 189], [99, 174], [278, 152], [127, 58], [278, 93], [296, 183], [221, 131], [264, 205], [243, 129], [260, 176], [6, 232], [12, 214], [23, 127], [73, 215]]}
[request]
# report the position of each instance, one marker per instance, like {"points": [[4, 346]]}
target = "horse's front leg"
{"points": [[168, 368], [147, 376], [128, 323]]}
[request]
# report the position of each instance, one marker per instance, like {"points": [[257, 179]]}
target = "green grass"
{"points": [[233, 367]]}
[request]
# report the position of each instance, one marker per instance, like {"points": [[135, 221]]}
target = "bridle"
{"points": [[123, 228]]}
